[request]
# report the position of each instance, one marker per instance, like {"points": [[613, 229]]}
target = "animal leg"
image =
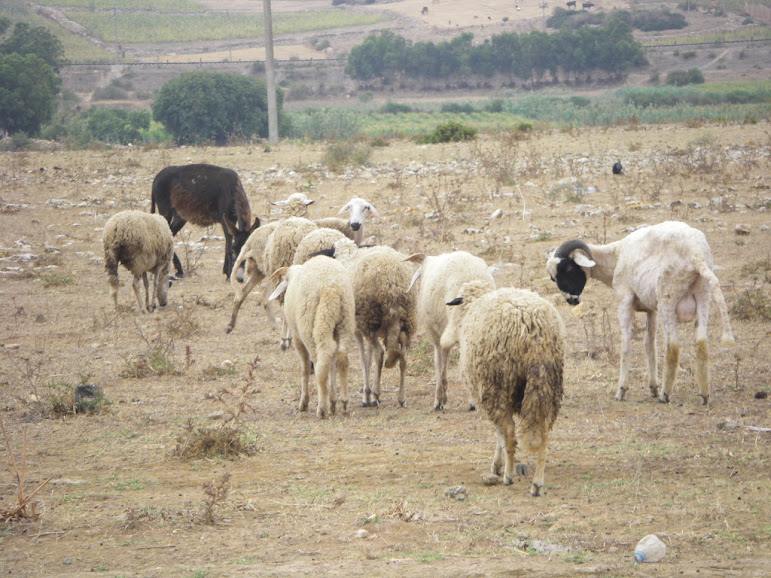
{"points": [[510, 442], [175, 224], [650, 351], [440, 364], [141, 303], [626, 321], [540, 450], [702, 351], [673, 354], [500, 448], [341, 378], [377, 349], [227, 265], [365, 368], [112, 281], [305, 360], [402, 370], [240, 294], [323, 363]]}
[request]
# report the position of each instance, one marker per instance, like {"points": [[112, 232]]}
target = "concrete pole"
{"points": [[270, 74]]}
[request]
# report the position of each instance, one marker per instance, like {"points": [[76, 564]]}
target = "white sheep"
{"points": [[512, 349], [319, 310], [664, 270], [143, 243], [353, 227], [250, 267], [320, 239], [440, 280]]}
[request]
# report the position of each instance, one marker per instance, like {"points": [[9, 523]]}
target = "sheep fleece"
{"points": [[511, 354]]}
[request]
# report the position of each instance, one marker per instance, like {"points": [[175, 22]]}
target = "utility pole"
{"points": [[270, 74], [115, 20]]}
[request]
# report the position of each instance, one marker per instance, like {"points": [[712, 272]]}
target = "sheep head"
{"points": [[570, 268], [358, 209]]}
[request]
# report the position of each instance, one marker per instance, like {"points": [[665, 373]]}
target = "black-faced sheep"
{"points": [[204, 195], [143, 244], [664, 270], [440, 280], [512, 349], [319, 310]]}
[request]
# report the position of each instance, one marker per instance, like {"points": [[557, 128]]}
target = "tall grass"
{"points": [[128, 4]]}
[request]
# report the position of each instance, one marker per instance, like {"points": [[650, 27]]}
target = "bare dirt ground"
{"points": [[364, 494]]}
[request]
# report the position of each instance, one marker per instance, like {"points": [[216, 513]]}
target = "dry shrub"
{"points": [[752, 303], [24, 508], [215, 493]]}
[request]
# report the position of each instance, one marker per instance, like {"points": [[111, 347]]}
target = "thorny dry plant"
{"points": [[215, 494], [237, 404], [24, 508]]}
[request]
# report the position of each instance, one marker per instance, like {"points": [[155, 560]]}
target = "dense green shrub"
{"points": [[449, 132], [117, 126], [683, 77], [394, 108], [457, 108], [495, 105]]}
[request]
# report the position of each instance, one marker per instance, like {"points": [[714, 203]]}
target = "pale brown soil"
{"points": [[120, 503]]}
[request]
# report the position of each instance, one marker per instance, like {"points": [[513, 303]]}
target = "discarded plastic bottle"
{"points": [[649, 549]]}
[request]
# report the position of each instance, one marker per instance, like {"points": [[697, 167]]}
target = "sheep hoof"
{"points": [[535, 490], [402, 403], [507, 481], [654, 391], [438, 407], [620, 394], [374, 403], [704, 399], [664, 398], [520, 469], [228, 329], [472, 407]]}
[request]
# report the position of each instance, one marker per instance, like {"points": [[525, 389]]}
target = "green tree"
{"points": [[27, 39], [121, 126], [381, 55], [28, 88], [199, 107]]}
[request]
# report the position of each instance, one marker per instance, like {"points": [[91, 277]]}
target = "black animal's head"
{"points": [[569, 268], [240, 237]]}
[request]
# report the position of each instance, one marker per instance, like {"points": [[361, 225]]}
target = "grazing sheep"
{"points": [[441, 279], [204, 195], [319, 310], [353, 228], [142, 243], [664, 270], [251, 259], [512, 349]]}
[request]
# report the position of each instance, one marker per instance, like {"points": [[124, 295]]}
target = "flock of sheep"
{"points": [[336, 292]]}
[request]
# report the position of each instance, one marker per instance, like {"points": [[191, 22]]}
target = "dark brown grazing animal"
{"points": [[572, 4], [204, 195], [587, 5]]}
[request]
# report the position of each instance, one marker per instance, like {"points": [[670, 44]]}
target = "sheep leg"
{"points": [[650, 351], [702, 351], [440, 365], [112, 281], [322, 364], [305, 360], [500, 447], [365, 367], [240, 294], [135, 285], [509, 449], [538, 479], [626, 321], [673, 351], [379, 355], [341, 376], [333, 386], [402, 370]]}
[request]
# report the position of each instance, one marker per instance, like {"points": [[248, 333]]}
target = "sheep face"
{"points": [[569, 267], [358, 209]]}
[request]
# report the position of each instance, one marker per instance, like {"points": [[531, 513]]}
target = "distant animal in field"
{"points": [[587, 5], [618, 168], [204, 195], [424, 12], [572, 4]]}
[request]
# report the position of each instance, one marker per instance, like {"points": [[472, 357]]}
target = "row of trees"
{"points": [[529, 56]]}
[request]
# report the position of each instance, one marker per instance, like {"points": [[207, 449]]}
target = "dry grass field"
{"points": [[364, 494]]}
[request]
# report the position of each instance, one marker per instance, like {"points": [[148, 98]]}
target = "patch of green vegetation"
{"points": [[57, 279], [449, 132]]}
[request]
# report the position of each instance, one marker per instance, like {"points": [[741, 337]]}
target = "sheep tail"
{"points": [[540, 403], [706, 273], [394, 339], [329, 312]]}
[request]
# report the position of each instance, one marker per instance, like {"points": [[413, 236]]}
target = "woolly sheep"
{"points": [[143, 243], [664, 270], [384, 311], [317, 240], [319, 310], [353, 227], [512, 349], [440, 280], [251, 259]]}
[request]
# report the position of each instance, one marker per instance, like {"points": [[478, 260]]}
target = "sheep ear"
{"points": [[456, 301], [372, 210], [346, 207], [309, 202], [416, 258], [256, 224], [278, 203], [279, 290], [581, 258], [415, 277], [279, 273], [551, 267]]}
